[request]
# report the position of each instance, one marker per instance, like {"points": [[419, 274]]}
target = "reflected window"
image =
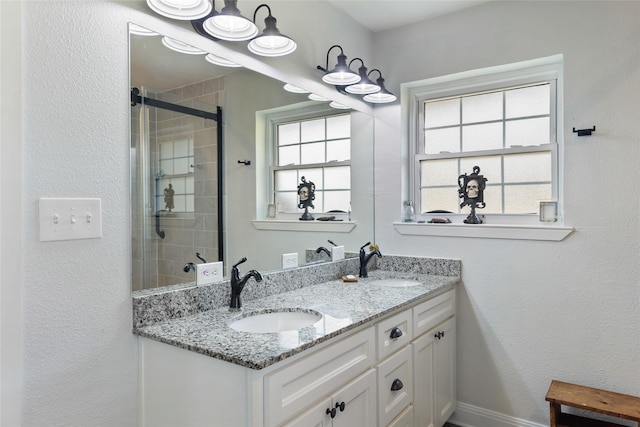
{"points": [[175, 178]]}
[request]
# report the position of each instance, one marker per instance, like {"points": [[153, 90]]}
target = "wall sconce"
{"points": [[271, 42], [183, 10], [365, 85], [383, 96], [229, 24], [341, 74]]}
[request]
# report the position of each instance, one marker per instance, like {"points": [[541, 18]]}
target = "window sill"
{"points": [[297, 225], [551, 233]]}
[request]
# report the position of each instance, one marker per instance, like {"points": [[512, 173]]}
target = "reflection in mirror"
{"points": [[189, 193]]}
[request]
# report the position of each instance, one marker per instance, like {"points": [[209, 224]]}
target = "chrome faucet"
{"points": [[365, 258], [237, 284]]}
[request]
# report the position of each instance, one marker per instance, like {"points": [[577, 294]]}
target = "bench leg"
{"points": [[554, 414]]}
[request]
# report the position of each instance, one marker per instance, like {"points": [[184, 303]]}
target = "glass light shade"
{"points": [[230, 25], [272, 45], [341, 75], [381, 97], [141, 31], [338, 106], [185, 10], [365, 86], [218, 60], [315, 97], [294, 89], [178, 46]]}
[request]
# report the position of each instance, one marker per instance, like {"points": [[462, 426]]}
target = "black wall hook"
{"points": [[584, 132], [244, 162]]}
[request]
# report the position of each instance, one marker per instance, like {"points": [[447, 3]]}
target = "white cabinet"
{"points": [[434, 362], [352, 405]]}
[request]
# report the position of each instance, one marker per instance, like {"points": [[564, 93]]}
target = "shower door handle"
{"points": [[158, 231]]}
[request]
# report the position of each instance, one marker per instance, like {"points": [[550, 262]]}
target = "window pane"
{"points": [[178, 186], [314, 175], [287, 202], [524, 198], [318, 205], [439, 140], [482, 137], [339, 150], [312, 130], [528, 101], [336, 201], [492, 197], [190, 200], [490, 167], [286, 180], [482, 108], [189, 185], [438, 172], [289, 134], [312, 153], [339, 127], [529, 167], [289, 155], [166, 150], [442, 113], [527, 132], [181, 166], [181, 148], [166, 167], [180, 203], [439, 199], [337, 178]]}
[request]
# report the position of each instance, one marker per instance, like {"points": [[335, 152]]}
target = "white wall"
{"points": [[533, 311]]}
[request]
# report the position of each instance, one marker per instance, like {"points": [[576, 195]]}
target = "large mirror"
{"points": [[216, 156]]}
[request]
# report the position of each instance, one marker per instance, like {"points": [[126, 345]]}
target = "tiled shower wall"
{"points": [[185, 232]]}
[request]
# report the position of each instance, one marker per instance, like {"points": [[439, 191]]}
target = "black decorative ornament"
{"points": [[306, 196], [471, 191]]}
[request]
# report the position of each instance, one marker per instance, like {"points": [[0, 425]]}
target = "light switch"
{"points": [[337, 253], [69, 219], [209, 273]]}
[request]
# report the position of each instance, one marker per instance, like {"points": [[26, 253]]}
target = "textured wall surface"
{"points": [[532, 311]]}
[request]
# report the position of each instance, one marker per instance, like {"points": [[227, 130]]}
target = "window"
{"points": [[176, 160], [503, 120], [318, 149]]}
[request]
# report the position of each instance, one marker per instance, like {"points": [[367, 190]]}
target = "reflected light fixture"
{"points": [[141, 31], [341, 74], [178, 46], [229, 24], [271, 42], [218, 60], [383, 95], [365, 86], [338, 106], [185, 10], [294, 89], [315, 97]]}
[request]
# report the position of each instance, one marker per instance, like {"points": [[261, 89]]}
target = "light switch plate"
{"points": [[208, 273], [69, 219], [290, 260], [337, 253]]}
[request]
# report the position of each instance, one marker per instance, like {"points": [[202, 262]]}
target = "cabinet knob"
{"points": [[439, 334], [332, 412], [396, 385], [395, 333], [340, 406]]}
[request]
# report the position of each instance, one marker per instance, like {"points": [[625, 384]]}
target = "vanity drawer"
{"points": [[394, 333], [433, 311], [301, 384], [395, 385], [405, 419]]}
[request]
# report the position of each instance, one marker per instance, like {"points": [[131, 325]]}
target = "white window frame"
{"points": [[509, 226]]}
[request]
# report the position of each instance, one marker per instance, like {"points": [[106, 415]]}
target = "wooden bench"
{"points": [[590, 399]]}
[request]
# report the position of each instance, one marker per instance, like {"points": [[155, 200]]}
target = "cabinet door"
{"points": [[423, 352], [445, 370], [314, 417], [359, 398]]}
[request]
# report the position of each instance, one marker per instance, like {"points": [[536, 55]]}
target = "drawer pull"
{"points": [[331, 411], [396, 385], [396, 333], [340, 406], [439, 335]]}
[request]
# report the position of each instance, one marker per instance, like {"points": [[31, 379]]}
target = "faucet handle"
{"points": [[363, 246], [244, 259]]}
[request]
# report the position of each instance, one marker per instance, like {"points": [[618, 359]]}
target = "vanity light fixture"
{"points": [[185, 10], [271, 42], [294, 89], [341, 74], [178, 46], [229, 24], [218, 60], [365, 86], [383, 96]]}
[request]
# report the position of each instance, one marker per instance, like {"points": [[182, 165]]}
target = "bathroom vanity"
{"points": [[381, 353]]}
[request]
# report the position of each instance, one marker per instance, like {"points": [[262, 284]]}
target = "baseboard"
{"points": [[473, 416]]}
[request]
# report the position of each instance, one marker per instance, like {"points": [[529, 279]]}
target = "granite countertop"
{"points": [[344, 306]]}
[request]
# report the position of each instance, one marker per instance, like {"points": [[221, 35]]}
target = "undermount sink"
{"points": [[276, 321], [396, 283]]}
